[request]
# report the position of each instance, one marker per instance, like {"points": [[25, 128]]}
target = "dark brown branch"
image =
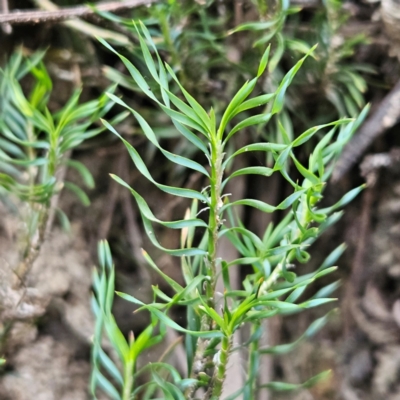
{"points": [[385, 117], [37, 16]]}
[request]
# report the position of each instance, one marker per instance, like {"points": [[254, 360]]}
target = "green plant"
{"points": [[214, 59], [35, 149], [333, 79], [272, 283], [36, 145]]}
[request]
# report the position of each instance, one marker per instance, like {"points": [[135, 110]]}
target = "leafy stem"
{"points": [[210, 332]]}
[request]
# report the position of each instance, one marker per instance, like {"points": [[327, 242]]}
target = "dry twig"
{"points": [[37, 16]]}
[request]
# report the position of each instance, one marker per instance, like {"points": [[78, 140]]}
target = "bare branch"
{"points": [[385, 117], [37, 16]]}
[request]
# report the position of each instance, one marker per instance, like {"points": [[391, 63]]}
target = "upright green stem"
{"points": [[37, 237], [214, 225], [253, 363], [128, 380], [220, 370], [202, 362], [214, 221]]}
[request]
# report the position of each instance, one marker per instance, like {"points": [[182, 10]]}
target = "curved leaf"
{"points": [[141, 166], [347, 198], [264, 61], [245, 232], [185, 162], [237, 100], [254, 102], [177, 252], [286, 81], [189, 135], [309, 133], [264, 171], [267, 147], [260, 205], [254, 120], [197, 108]]}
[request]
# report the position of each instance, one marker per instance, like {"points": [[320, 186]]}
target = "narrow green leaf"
{"points": [[172, 324], [333, 257], [290, 199], [309, 133], [313, 381], [130, 298], [141, 343], [298, 45], [264, 171], [281, 249], [79, 193], [110, 367], [63, 115], [183, 119], [237, 100], [305, 172], [281, 160], [141, 166], [260, 205], [266, 147], [254, 102], [116, 336], [178, 252], [189, 135], [315, 303], [148, 57], [280, 305], [281, 386], [254, 239], [281, 91], [198, 109], [145, 210], [213, 315], [254, 120], [136, 75], [264, 61], [153, 139], [63, 219], [285, 135], [254, 26], [83, 171], [175, 285], [188, 111], [108, 388], [347, 198], [294, 296], [278, 53], [327, 290]]}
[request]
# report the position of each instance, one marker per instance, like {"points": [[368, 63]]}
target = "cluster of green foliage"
{"points": [[36, 144], [186, 104], [272, 287]]}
